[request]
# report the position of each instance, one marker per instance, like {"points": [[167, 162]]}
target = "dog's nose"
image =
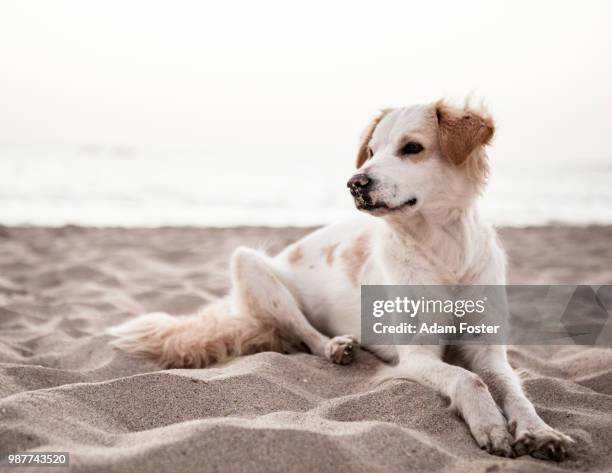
{"points": [[359, 182]]}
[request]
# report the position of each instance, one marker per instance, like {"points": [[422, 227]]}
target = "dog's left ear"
{"points": [[363, 154], [461, 131]]}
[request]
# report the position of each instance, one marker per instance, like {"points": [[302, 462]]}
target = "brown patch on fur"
{"points": [[417, 158], [355, 256], [296, 255], [328, 251], [461, 131], [363, 154]]}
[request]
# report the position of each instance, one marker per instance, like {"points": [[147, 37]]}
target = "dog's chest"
{"points": [[412, 266]]}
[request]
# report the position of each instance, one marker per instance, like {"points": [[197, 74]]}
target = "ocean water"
{"points": [[98, 185]]}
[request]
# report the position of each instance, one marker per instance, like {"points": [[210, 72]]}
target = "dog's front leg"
{"points": [[259, 292], [468, 394], [532, 435]]}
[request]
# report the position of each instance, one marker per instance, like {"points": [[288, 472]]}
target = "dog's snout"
{"points": [[359, 182]]}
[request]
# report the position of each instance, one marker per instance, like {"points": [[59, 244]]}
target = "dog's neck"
{"points": [[442, 239]]}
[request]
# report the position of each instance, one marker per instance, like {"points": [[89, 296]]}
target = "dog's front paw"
{"points": [[341, 349], [542, 441], [495, 439]]}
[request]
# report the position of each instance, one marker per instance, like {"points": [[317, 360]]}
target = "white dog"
{"points": [[420, 170]]}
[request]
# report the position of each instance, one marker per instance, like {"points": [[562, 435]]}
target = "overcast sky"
{"points": [[277, 79]]}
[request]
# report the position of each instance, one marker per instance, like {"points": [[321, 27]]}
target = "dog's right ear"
{"points": [[461, 131], [364, 154]]}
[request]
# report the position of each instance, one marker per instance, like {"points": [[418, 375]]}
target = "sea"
{"points": [[125, 186]]}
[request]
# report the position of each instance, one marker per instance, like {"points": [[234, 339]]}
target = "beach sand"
{"points": [[63, 389]]}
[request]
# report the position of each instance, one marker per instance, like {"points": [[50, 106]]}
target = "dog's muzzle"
{"points": [[361, 186]]}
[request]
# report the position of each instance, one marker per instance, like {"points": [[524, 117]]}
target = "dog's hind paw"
{"points": [[341, 349]]}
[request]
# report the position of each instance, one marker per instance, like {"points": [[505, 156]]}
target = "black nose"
{"points": [[359, 183]]}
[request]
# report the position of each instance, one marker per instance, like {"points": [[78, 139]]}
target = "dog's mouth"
{"points": [[381, 208]]}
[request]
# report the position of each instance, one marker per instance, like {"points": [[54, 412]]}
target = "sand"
{"points": [[63, 389]]}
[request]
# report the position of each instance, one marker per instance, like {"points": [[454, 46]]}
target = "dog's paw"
{"points": [[341, 349], [495, 439], [542, 442]]}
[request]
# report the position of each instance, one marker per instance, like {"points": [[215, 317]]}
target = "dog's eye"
{"points": [[411, 148], [370, 152]]}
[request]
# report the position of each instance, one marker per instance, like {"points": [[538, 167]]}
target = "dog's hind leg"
{"points": [[258, 291], [261, 314]]}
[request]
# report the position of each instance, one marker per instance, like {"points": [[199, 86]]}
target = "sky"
{"points": [[188, 73], [281, 83]]}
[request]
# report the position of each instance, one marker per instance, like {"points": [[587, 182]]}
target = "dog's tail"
{"points": [[195, 341]]}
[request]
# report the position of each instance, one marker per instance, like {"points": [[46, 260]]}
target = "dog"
{"points": [[419, 172]]}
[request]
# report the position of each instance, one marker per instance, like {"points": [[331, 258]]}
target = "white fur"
{"points": [[310, 293]]}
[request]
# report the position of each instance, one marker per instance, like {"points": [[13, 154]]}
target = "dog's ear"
{"points": [[461, 131], [364, 154]]}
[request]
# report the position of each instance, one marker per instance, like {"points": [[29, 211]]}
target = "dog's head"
{"points": [[424, 158]]}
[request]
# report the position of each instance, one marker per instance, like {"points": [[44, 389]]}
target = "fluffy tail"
{"points": [[196, 341]]}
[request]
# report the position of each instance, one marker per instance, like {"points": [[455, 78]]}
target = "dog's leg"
{"points": [[468, 394], [259, 292], [532, 435]]}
